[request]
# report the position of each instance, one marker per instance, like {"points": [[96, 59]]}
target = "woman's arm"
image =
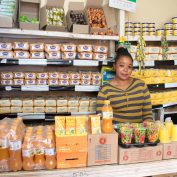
{"points": [[147, 106]]}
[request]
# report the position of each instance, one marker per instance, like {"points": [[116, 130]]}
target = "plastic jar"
{"points": [[174, 26], [175, 32], [145, 25], [137, 25], [151, 25], [152, 33], [168, 25], [146, 33], [129, 24], [174, 20], [160, 32], [169, 32], [129, 33], [137, 33]]}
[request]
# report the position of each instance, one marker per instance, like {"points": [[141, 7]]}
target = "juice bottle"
{"points": [[169, 125], [27, 154], [50, 155], [15, 149], [107, 116]]}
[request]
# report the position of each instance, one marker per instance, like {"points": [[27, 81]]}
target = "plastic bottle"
{"points": [[169, 125], [107, 116], [50, 154]]}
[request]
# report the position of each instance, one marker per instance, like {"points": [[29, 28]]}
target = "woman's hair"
{"points": [[122, 52]]}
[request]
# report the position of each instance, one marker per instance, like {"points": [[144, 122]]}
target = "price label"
{"points": [[35, 88], [85, 63], [32, 62]]}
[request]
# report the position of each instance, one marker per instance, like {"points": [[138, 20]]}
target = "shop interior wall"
{"points": [[158, 11]]}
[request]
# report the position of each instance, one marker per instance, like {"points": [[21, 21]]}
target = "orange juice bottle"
{"points": [[27, 153], [107, 116], [50, 154]]}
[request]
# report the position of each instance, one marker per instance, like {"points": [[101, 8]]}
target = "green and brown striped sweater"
{"points": [[130, 105]]}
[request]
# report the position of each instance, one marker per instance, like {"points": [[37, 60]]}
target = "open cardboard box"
{"points": [[43, 16], [30, 8], [76, 28], [8, 21], [170, 150], [108, 12]]}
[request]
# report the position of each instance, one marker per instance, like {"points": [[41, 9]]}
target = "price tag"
{"points": [[85, 63], [35, 88], [90, 88], [170, 85], [32, 62], [4, 61], [8, 88]]}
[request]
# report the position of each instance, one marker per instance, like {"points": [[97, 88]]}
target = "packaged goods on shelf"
{"points": [[4, 110], [84, 48], [5, 46], [100, 49], [6, 75], [68, 55], [30, 75], [4, 102], [62, 109], [74, 82], [85, 55], [53, 55], [51, 102], [74, 75], [30, 82], [73, 102], [39, 101], [68, 47], [6, 54], [52, 47], [53, 75], [94, 124], [36, 47], [21, 54], [18, 82], [84, 102], [15, 109], [7, 82], [64, 82], [53, 82], [50, 109], [19, 75], [42, 82], [21, 46], [100, 56], [62, 101], [37, 55]]}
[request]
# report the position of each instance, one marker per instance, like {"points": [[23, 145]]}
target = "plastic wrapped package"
{"points": [[64, 75], [100, 56], [73, 102], [53, 82], [68, 55], [37, 55], [85, 55], [19, 75], [21, 54], [85, 75], [64, 82], [53, 75], [53, 55], [74, 82], [84, 48], [5, 46], [11, 135], [6, 54], [21, 46], [18, 81], [7, 75], [74, 75], [37, 47], [7, 82], [41, 81], [62, 102], [43, 75], [68, 47], [52, 47], [30, 75], [100, 49], [30, 82], [96, 76]]}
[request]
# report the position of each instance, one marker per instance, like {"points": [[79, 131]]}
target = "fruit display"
{"points": [[78, 17], [24, 18]]}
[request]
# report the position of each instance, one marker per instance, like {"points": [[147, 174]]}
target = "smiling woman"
{"points": [[129, 97]]}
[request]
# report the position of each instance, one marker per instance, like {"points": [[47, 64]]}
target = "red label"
{"points": [[102, 140], [158, 153]]}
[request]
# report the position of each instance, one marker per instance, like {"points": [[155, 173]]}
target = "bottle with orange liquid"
{"points": [[107, 117]]}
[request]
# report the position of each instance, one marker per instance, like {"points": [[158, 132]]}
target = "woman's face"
{"points": [[123, 68]]}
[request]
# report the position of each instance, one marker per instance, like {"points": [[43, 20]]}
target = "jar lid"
{"points": [[128, 22], [168, 23]]}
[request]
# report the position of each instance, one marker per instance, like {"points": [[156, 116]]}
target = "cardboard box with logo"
{"points": [[102, 148], [136, 155], [30, 9], [108, 12], [43, 16], [170, 150], [71, 151], [77, 28]]}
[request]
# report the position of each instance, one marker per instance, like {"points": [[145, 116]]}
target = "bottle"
{"points": [[169, 126], [50, 154], [107, 116]]}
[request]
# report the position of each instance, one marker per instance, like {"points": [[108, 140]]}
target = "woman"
{"points": [[129, 97]]}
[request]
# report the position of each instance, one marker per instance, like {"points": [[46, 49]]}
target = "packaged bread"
{"points": [[93, 102], [15, 109], [53, 82], [70, 125], [100, 56], [21, 54], [53, 55], [39, 109], [4, 110], [53, 75], [52, 47], [83, 109], [63, 82], [6, 54], [7, 82], [19, 82], [73, 102], [62, 109], [100, 49], [95, 82], [39, 47], [86, 75], [43, 75], [172, 49], [4, 102], [30, 82], [51, 102], [62, 102], [68, 47], [28, 102], [84, 102], [85, 82], [19, 75], [146, 50], [96, 76], [173, 56], [85, 55], [6, 75], [73, 109], [21, 46], [50, 109], [16, 102], [74, 75], [30, 75], [64, 75], [27, 109], [37, 55], [74, 82], [92, 109], [68, 55], [84, 48], [5, 46], [41, 81], [39, 101]]}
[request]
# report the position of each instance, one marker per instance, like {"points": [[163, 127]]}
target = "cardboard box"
{"points": [[30, 8], [167, 175], [136, 155], [102, 149], [108, 12], [43, 15], [170, 150], [71, 160], [76, 28], [9, 21]]}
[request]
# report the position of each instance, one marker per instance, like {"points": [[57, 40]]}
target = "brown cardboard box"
{"points": [[43, 15], [136, 155], [108, 12], [170, 150], [8, 21], [167, 175], [102, 149], [30, 8], [76, 28]]}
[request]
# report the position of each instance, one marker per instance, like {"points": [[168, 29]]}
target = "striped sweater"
{"points": [[130, 105]]}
